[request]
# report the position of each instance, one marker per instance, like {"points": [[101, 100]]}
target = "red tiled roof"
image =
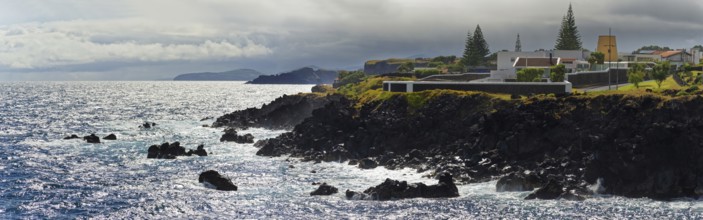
{"points": [[666, 54]]}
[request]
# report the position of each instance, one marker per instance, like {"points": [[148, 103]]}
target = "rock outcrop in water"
{"points": [[147, 125], [92, 138], [111, 137], [641, 146], [73, 136], [217, 181], [324, 190], [232, 136], [394, 189], [283, 113], [173, 150]]}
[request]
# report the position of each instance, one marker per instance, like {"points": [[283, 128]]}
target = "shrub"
{"points": [[406, 67], [455, 68], [529, 75], [346, 77], [557, 73], [435, 64], [598, 57], [660, 72], [635, 74]]}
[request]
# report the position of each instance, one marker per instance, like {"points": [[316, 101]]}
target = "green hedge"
{"points": [[530, 75]]}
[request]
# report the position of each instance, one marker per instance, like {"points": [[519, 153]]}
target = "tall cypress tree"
{"points": [[569, 38], [465, 59], [480, 47]]}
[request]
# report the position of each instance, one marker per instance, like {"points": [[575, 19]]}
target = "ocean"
{"points": [[43, 176]]}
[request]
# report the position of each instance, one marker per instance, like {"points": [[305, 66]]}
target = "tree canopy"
{"points": [[476, 48], [660, 72], [569, 38], [654, 47]]}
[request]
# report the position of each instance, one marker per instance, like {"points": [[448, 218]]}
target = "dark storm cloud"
{"points": [[138, 39]]}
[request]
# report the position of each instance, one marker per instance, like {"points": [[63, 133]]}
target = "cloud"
{"points": [[150, 37], [31, 46]]}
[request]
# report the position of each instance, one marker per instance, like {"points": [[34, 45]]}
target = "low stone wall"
{"points": [[595, 78], [517, 88]]}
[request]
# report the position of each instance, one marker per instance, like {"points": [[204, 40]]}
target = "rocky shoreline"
{"points": [[633, 146]]}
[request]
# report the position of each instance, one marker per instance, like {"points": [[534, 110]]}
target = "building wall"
{"points": [[507, 59], [577, 54], [518, 88], [603, 46]]}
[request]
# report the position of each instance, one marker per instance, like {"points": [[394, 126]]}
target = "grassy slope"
{"points": [[669, 83]]}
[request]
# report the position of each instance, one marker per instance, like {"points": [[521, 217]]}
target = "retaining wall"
{"points": [[517, 88]]}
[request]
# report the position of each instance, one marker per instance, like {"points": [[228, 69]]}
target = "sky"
{"points": [[158, 39]]}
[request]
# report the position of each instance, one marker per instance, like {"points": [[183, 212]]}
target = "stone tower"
{"points": [[607, 45]]}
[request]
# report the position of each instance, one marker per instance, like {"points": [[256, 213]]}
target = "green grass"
{"points": [[669, 83]]}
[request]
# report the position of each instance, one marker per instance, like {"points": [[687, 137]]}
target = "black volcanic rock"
{"points": [[173, 150], [393, 189], [110, 137], [324, 190], [231, 135], [283, 113], [367, 163], [640, 146], [307, 75], [516, 182], [147, 125], [92, 138], [200, 151], [234, 75], [73, 136], [550, 191], [215, 179]]}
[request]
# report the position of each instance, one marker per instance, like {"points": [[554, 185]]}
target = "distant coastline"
{"points": [[234, 75]]}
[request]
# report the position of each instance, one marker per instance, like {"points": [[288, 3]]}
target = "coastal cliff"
{"points": [[234, 75], [306, 75], [645, 145]]}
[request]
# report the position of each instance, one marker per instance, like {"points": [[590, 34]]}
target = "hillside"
{"points": [[306, 75], [234, 75]]}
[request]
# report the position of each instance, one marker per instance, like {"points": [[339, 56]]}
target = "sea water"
{"points": [[43, 176]]}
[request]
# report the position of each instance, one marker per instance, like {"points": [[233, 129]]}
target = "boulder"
{"points": [[73, 136], [232, 136], [110, 137], [147, 125], [173, 150], [214, 179], [517, 182], [553, 190], [367, 163], [394, 189], [324, 190], [92, 138]]}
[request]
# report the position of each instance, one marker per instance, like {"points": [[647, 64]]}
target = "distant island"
{"points": [[306, 75], [234, 75]]}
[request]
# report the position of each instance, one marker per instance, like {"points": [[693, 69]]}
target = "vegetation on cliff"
{"points": [[635, 143]]}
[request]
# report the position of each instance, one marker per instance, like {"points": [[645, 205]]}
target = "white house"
{"points": [[509, 63], [677, 57]]}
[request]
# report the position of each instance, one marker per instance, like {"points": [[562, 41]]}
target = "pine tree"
{"points": [[569, 38], [465, 59], [480, 47]]}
